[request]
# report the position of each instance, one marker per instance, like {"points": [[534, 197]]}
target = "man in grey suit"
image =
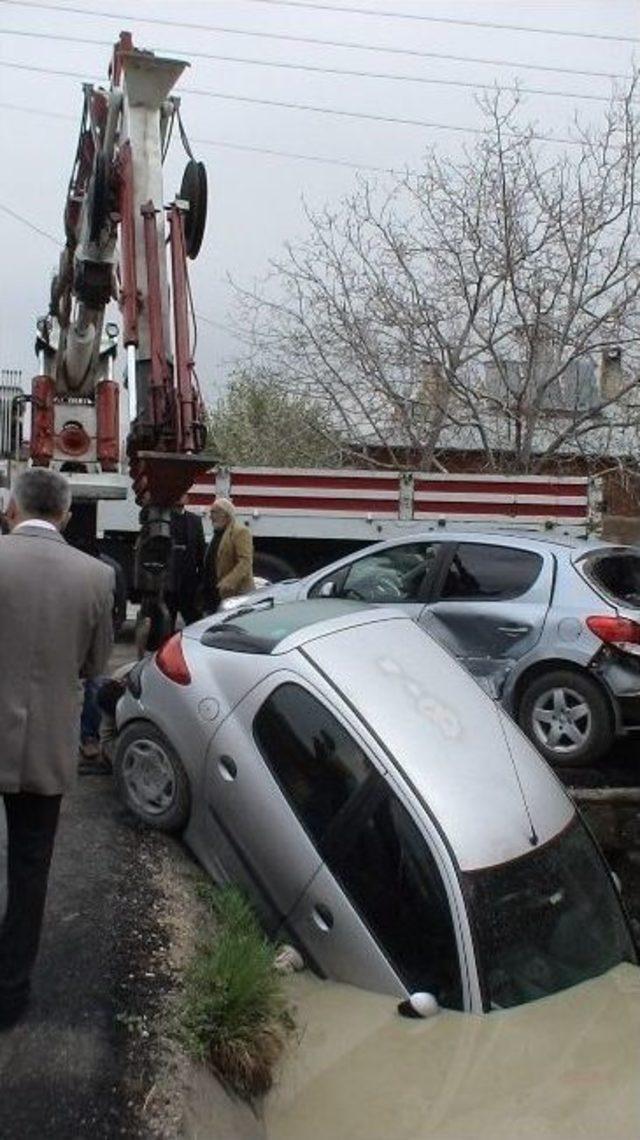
{"points": [[55, 627]]}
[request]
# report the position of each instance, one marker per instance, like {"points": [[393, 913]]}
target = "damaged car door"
{"points": [[492, 604]]}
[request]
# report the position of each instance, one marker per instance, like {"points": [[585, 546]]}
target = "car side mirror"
{"points": [[419, 1005], [327, 590]]}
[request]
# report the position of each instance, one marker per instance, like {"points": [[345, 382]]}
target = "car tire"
{"points": [[567, 716], [272, 568], [150, 777]]}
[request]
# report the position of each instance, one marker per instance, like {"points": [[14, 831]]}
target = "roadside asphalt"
{"points": [[61, 1067]]}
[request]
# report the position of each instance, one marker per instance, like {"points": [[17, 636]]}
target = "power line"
{"points": [[284, 37], [39, 69], [39, 111], [317, 69], [312, 107], [224, 143], [25, 222], [292, 154], [444, 20], [366, 115], [57, 243], [225, 328]]}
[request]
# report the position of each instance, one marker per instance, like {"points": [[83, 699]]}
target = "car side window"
{"points": [[386, 868], [398, 574], [318, 765], [480, 572]]}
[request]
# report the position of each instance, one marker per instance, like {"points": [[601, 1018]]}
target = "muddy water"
{"points": [[558, 1069]]}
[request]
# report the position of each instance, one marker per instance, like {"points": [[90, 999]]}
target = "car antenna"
{"points": [[534, 838]]}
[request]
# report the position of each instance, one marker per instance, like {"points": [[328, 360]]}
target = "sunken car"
{"points": [[384, 813]]}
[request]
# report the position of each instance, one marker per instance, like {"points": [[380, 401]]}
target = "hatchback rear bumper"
{"points": [[620, 673]]}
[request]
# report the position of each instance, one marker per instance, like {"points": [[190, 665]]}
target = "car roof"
{"points": [[497, 538], [478, 777], [472, 768]]}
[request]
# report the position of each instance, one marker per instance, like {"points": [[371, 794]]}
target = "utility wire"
{"points": [[292, 154], [58, 243], [396, 120], [312, 107], [319, 70], [39, 69], [225, 144], [444, 20], [25, 222], [225, 328], [281, 36], [38, 111]]}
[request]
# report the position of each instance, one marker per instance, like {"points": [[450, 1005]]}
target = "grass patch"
{"points": [[233, 1015]]}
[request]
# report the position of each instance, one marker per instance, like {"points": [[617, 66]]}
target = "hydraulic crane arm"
{"points": [[122, 243]]}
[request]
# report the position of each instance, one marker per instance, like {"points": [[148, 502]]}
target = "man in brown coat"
{"points": [[55, 627], [228, 564]]}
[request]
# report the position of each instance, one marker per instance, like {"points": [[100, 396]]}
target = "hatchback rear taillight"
{"points": [[621, 632], [170, 661]]}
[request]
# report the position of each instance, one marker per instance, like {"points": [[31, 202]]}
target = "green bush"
{"points": [[234, 1015]]}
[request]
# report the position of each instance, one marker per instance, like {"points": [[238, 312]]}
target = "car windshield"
{"points": [[546, 921], [615, 574]]}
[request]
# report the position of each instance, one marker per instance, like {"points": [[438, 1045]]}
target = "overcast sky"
{"points": [[256, 197]]}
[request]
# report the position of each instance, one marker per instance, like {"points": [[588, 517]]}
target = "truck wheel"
{"points": [[272, 568], [150, 777], [566, 715]]}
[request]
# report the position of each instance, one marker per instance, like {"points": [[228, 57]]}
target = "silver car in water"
{"points": [[555, 623], [385, 813]]}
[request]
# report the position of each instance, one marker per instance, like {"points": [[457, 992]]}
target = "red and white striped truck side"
{"points": [[302, 518]]}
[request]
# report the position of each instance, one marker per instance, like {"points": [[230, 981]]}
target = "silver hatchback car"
{"points": [[556, 624], [386, 815]]}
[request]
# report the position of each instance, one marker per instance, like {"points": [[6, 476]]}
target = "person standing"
{"points": [[188, 551], [228, 564], [55, 628]]}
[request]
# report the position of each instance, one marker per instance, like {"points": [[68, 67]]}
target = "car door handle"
{"points": [[322, 917], [227, 767], [513, 630]]}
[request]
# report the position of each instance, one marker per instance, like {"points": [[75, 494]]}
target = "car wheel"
{"points": [[150, 777], [272, 568], [567, 717]]}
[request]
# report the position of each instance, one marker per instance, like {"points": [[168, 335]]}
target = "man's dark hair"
{"points": [[42, 494]]}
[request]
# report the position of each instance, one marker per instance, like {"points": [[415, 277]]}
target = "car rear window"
{"points": [[615, 574], [260, 630]]}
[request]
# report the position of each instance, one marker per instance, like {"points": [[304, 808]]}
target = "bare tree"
{"points": [[467, 306]]}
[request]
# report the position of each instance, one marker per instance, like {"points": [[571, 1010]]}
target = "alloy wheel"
{"points": [[561, 720]]}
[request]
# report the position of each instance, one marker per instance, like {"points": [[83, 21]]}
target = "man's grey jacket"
{"points": [[55, 627]]}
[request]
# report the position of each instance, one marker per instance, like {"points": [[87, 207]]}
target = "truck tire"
{"points": [[565, 713], [272, 568]]}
